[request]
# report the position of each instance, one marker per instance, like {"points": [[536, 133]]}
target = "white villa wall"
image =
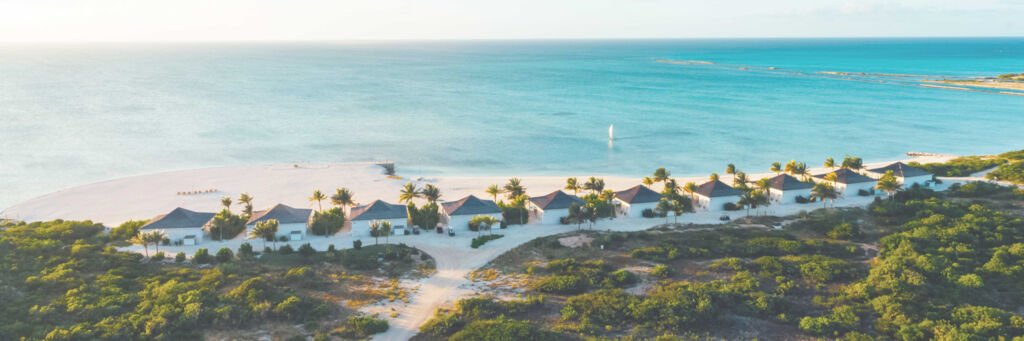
{"points": [[636, 210], [287, 229], [362, 227], [788, 197], [552, 217], [852, 189], [715, 204], [461, 221], [177, 234]]}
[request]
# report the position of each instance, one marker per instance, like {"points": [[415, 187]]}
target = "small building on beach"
{"points": [[713, 195], [632, 202], [292, 222], [551, 208], [906, 174], [459, 212], [362, 216], [850, 183], [784, 189], [180, 225]]}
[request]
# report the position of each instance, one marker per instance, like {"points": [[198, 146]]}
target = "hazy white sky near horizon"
{"points": [[213, 20]]}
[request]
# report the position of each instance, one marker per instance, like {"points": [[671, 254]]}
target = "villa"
{"points": [[907, 175], [180, 225], [292, 222], [848, 181], [458, 213], [632, 202], [378, 210], [784, 189], [714, 194], [551, 208]]}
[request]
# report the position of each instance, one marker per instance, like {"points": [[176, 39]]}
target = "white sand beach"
{"points": [[143, 197]]}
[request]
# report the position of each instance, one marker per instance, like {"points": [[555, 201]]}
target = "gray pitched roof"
{"points": [[638, 194], [846, 176], [378, 210], [716, 188], [785, 182], [556, 200], [178, 218], [284, 214], [470, 205], [901, 169]]}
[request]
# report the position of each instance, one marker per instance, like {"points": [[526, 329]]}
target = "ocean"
{"points": [[81, 113]]}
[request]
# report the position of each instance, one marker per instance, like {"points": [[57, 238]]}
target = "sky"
{"points": [[338, 20]]}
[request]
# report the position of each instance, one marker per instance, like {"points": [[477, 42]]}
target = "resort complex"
{"points": [[379, 218]]}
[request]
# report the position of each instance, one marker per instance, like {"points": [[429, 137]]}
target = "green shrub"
{"points": [[844, 231], [245, 251], [224, 255], [328, 222], [480, 241], [286, 249], [202, 256], [660, 271], [359, 327], [502, 329], [180, 257], [159, 256], [306, 250], [357, 244], [568, 284], [600, 309], [960, 167]]}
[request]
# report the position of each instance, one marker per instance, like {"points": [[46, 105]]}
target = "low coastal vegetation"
{"points": [[63, 280], [914, 265], [1011, 166]]}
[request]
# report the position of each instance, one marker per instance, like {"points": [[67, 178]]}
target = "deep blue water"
{"points": [[73, 114]]}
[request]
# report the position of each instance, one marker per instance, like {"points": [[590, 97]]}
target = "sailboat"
{"points": [[611, 134]]}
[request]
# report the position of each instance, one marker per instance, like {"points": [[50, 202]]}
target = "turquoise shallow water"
{"points": [[74, 114]]}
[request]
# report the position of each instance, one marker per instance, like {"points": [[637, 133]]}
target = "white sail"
{"points": [[611, 135]]}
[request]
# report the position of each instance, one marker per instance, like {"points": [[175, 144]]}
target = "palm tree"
{"points": [[888, 183], [408, 192], [141, 238], [514, 188], [713, 177], [157, 237], [746, 200], [760, 198], [690, 188], [671, 188], [790, 166], [677, 208], [730, 169], [594, 185], [342, 197], [266, 230], [246, 199], [830, 163], [571, 184], [852, 162], [319, 197], [664, 206], [824, 191], [740, 179], [776, 167], [607, 195], [647, 181], [801, 170], [494, 190], [385, 228], [375, 230], [661, 174], [226, 202], [764, 185], [431, 193]]}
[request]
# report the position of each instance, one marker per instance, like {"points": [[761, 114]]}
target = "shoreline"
{"points": [[138, 197]]}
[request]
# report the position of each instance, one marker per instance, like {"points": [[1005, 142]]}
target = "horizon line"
{"points": [[395, 40]]}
